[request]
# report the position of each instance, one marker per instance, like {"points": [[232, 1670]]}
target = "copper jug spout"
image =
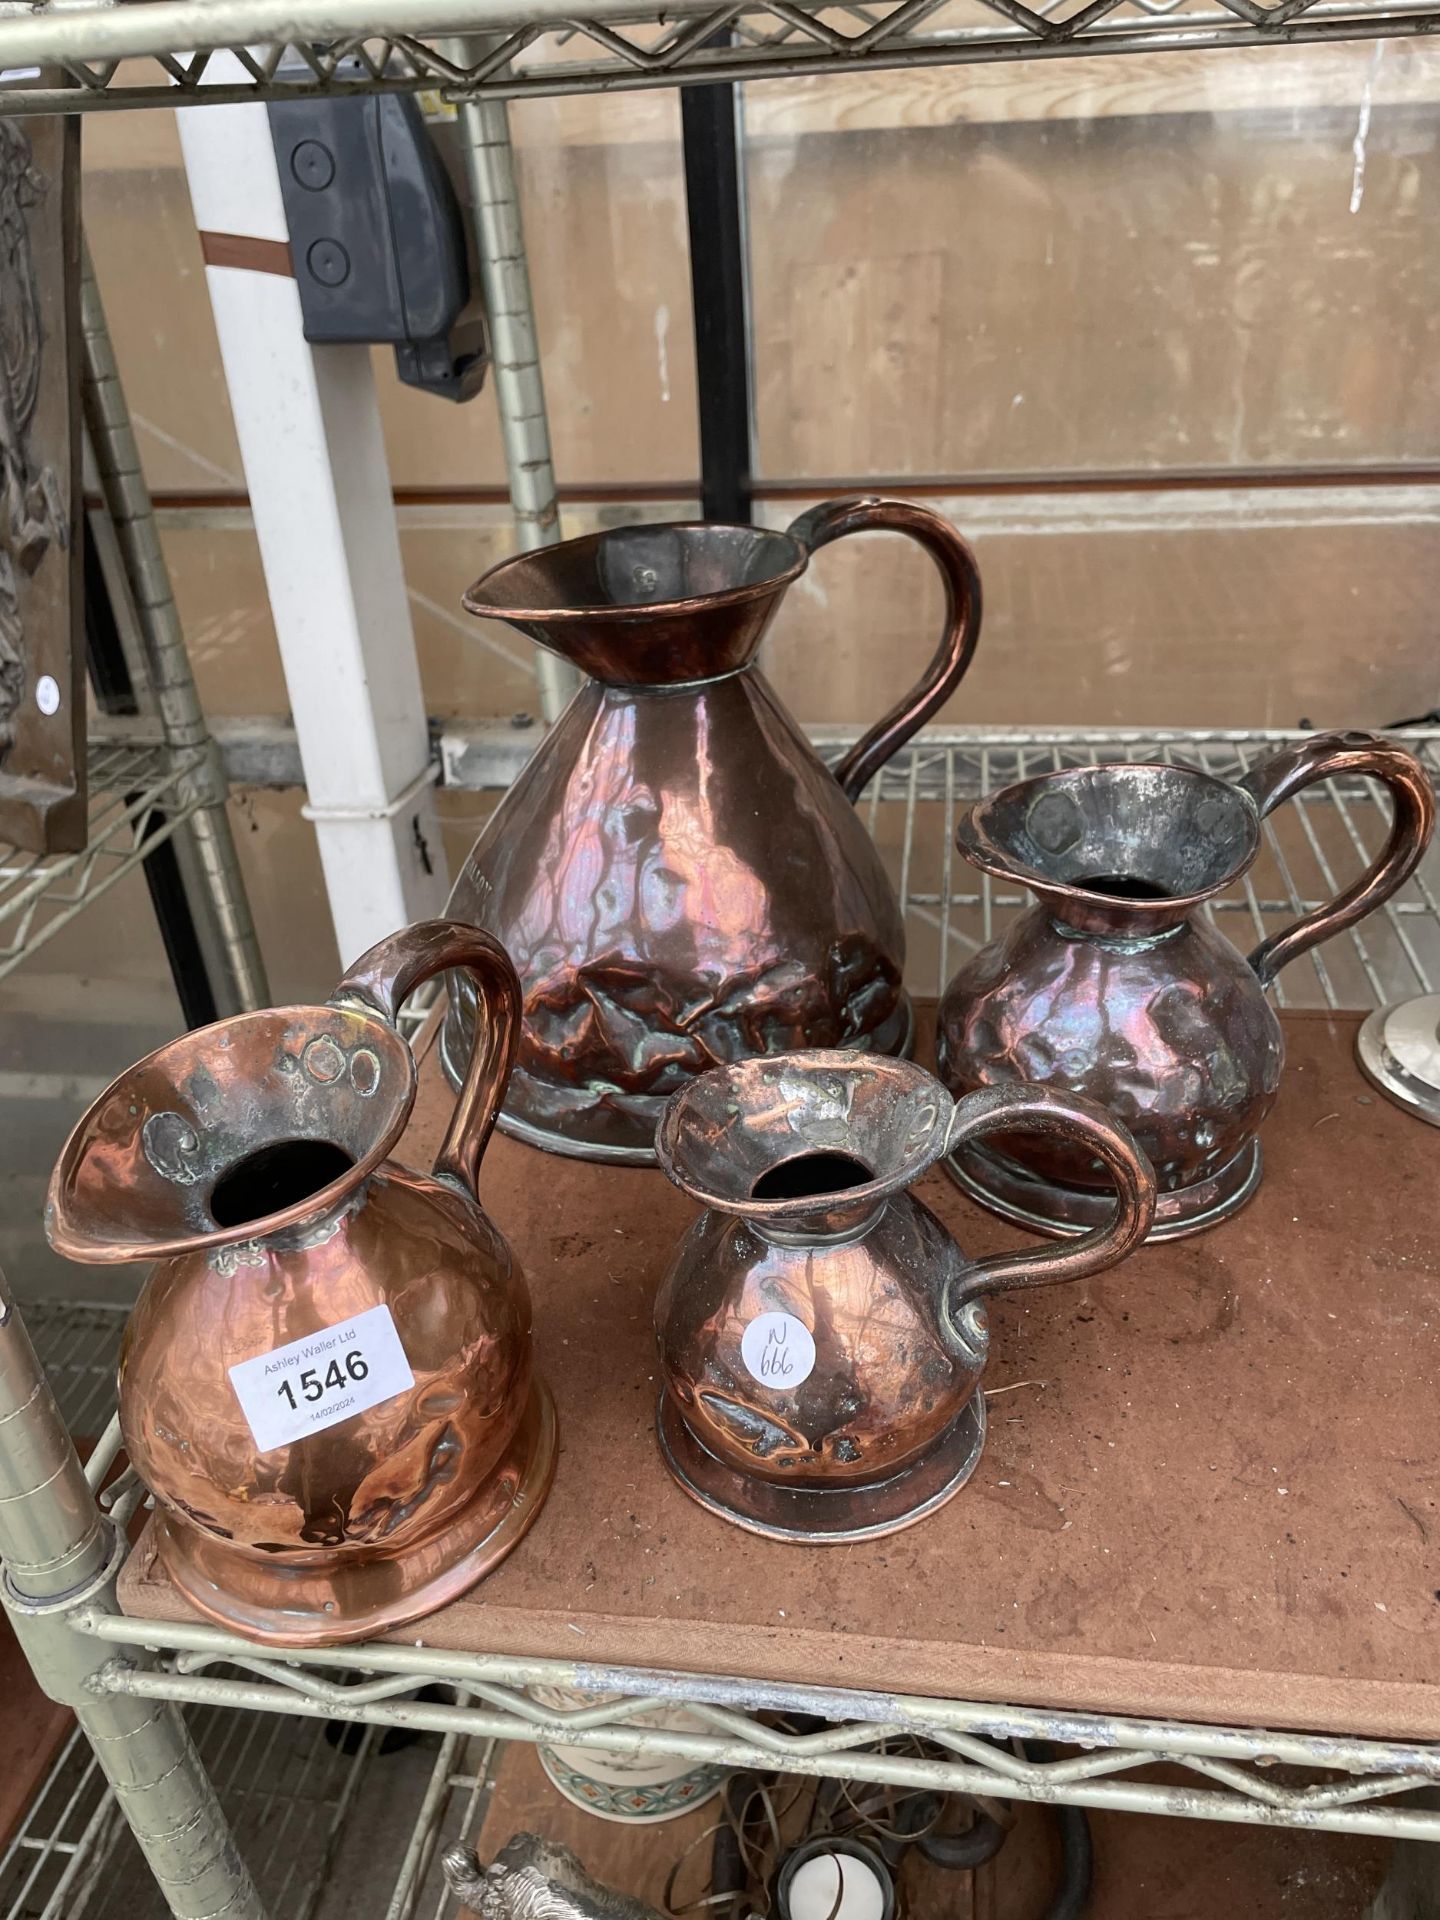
{"points": [[648, 605]]}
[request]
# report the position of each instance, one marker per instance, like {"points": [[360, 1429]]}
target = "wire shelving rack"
{"points": [[606, 46], [104, 57], [949, 910]]}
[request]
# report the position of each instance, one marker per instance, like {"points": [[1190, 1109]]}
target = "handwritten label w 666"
{"points": [[778, 1350], [329, 1376]]}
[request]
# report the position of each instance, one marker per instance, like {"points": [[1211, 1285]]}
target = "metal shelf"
{"points": [[140, 795], [1311, 848], [548, 47], [1343, 1785], [265, 1724], [258, 1716], [288, 1788]]}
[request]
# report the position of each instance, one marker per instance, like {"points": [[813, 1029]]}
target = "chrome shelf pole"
{"points": [[61, 1556], [222, 903], [515, 348]]}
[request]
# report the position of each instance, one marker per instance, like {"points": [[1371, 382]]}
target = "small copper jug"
{"points": [[821, 1334], [679, 879], [1116, 987], [326, 1382]]}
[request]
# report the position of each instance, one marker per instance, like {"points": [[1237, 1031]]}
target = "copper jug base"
{"points": [[297, 1606], [1015, 1193], [823, 1516], [896, 1039]]}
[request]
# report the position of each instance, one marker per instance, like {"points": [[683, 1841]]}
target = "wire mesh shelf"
{"points": [[461, 1782], [288, 1788], [292, 1786], [318, 47], [140, 795], [1312, 847]]}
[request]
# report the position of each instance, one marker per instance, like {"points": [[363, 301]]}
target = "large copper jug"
{"points": [[326, 1382], [679, 880]]}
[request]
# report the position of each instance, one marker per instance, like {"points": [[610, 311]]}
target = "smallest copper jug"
{"points": [[1117, 987], [821, 1334], [326, 1382]]}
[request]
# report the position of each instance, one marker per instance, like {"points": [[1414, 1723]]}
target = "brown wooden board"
{"points": [[42, 664], [1210, 1489]]}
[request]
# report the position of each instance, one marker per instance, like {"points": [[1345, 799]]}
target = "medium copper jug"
{"points": [[676, 875], [326, 1382], [1115, 986], [821, 1334]]}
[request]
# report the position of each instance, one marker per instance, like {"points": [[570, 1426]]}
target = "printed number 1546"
{"points": [[314, 1385]]}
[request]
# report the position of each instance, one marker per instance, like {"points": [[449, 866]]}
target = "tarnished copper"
{"points": [[679, 880], [249, 1161], [821, 1334], [1114, 985]]}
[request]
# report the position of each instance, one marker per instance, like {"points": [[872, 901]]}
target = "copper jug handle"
{"points": [[956, 562], [1326, 757], [1074, 1119], [384, 978]]}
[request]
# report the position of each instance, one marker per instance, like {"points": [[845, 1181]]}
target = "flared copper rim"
{"points": [[641, 609], [70, 1237], [974, 840], [908, 1166]]}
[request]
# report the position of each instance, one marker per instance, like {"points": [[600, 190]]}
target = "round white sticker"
{"points": [[47, 693], [778, 1350]]}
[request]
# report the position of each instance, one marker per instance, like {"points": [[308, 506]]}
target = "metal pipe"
{"points": [[103, 1454], [59, 1557], [117, 458], [515, 350], [712, 133], [719, 1696], [1193, 1803], [91, 39], [425, 1832]]}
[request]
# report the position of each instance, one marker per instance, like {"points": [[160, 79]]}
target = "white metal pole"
{"points": [[310, 437]]}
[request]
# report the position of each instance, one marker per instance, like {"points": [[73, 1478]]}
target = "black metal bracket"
{"points": [[715, 207]]}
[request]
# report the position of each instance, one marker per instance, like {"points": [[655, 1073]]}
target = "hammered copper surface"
{"points": [[891, 1303], [372, 1521], [678, 879], [1115, 987]]}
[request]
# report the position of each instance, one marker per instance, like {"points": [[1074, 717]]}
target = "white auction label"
{"points": [[329, 1376], [779, 1350]]}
